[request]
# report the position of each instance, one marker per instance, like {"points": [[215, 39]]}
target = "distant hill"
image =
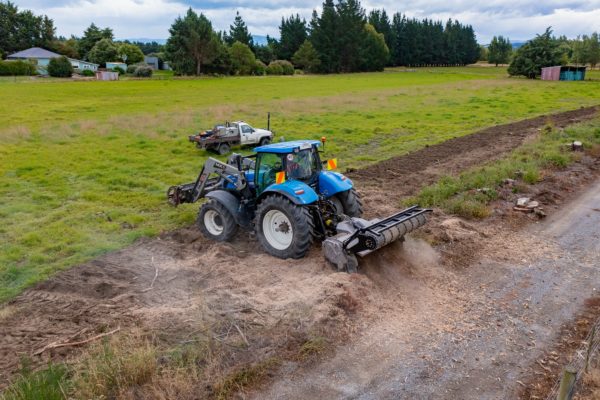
{"points": [[260, 40], [515, 45], [146, 40]]}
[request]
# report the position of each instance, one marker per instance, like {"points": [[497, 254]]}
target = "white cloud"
{"points": [[519, 19]]}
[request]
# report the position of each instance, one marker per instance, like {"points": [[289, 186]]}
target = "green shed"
{"points": [[563, 73]]}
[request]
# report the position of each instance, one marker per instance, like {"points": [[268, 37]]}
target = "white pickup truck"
{"points": [[222, 137]]}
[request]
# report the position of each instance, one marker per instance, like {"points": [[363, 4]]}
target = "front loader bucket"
{"points": [[357, 236]]}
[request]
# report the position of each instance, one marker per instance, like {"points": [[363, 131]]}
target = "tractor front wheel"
{"points": [[350, 202], [216, 222], [284, 229]]}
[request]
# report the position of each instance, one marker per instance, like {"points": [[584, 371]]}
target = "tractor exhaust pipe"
{"points": [[357, 236]]}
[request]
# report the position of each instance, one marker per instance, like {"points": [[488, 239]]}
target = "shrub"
{"points": [[10, 68], [131, 68], [286, 66], [143, 71], [120, 70], [274, 69], [259, 68], [242, 59], [60, 67], [87, 72]]}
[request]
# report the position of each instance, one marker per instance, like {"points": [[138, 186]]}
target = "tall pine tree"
{"points": [[499, 50], [238, 32], [324, 30], [293, 32], [192, 44]]}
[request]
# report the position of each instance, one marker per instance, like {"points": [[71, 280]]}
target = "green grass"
{"points": [[85, 165], [50, 383], [468, 194]]}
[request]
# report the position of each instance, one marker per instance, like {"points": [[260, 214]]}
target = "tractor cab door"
{"points": [[267, 167]]}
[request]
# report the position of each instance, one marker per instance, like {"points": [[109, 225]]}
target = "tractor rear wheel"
{"points": [[216, 222], [284, 229], [351, 203]]}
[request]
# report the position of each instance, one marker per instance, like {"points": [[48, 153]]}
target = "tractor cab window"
{"points": [[301, 165], [246, 129], [267, 166]]}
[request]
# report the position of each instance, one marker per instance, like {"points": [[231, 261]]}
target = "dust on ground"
{"points": [[181, 283]]}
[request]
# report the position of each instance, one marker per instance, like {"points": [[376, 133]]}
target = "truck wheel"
{"points": [[216, 222], [284, 229], [264, 141], [351, 203], [224, 149]]}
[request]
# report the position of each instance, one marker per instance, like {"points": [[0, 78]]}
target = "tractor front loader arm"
{"points": [[220, 171]]}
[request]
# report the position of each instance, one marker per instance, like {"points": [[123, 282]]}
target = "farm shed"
{"points": [[41, 57], [107, 76], [112, 65], [563, 73]]}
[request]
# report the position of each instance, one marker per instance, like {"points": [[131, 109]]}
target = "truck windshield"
{"points": [[301, 165]]}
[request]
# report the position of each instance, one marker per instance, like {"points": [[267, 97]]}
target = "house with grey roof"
{"points": [[41, 57]]}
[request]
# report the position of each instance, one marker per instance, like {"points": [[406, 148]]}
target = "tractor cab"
{"points": [[287, 161]]}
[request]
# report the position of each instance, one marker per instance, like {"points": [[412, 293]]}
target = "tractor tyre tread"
{"points": [[230, 227], [302, 224], [351, 202]]}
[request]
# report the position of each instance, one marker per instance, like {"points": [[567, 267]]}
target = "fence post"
{"points": [[590, 347], [567, 383]]}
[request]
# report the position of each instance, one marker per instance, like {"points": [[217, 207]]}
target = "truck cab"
{"points": [[250, 135]]}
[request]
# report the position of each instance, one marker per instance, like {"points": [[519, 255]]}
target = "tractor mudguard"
{"points": [[232, 204], [298, 192], [331, 183]]}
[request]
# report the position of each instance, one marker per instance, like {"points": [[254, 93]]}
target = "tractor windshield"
{"points": [[301, 165]]}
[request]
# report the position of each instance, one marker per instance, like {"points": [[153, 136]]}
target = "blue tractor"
{"points": [[290, 198]]}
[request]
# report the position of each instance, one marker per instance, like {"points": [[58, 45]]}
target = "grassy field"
{"points": [[85, 165]]}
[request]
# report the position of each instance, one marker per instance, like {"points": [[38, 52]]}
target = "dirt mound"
{"points": [[405, 175]]}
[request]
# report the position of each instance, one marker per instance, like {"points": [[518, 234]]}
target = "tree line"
{"points": [[20, 30], [584, 50], [545, 50], [342, 38]]}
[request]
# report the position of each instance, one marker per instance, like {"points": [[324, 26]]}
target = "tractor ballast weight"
{"points": [[284, 194]]}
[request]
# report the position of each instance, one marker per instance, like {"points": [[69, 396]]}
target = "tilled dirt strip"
{"points": [[181, 282], [404, 175]]}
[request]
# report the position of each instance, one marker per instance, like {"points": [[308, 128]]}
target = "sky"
{"points": [[518, 19]]}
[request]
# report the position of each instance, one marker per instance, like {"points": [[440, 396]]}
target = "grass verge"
{"points": [[133, 365], [469, 194]]}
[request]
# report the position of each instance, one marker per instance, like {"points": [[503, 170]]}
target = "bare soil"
{"points": [[408, 173], [180, 283]]}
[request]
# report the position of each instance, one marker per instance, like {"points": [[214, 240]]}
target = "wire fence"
{"points": [[581, 358]]}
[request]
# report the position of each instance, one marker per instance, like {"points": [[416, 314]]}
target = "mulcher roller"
{"points": [[357, 236]]}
